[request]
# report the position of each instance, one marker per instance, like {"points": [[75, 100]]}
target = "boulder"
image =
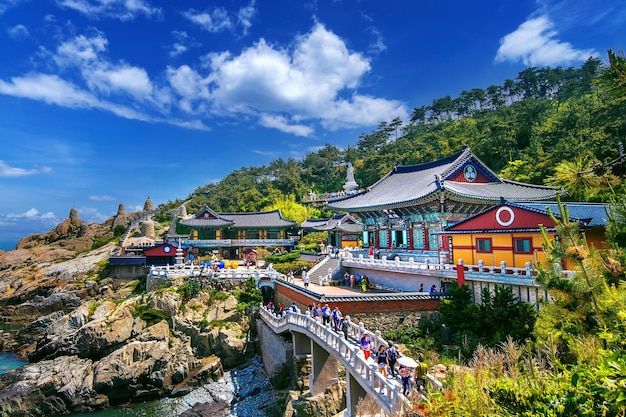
{"points": [[167, 302], [136, 367], [49, 387]]}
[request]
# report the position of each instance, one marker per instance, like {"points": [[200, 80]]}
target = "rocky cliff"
{"points": [[92, 341]]}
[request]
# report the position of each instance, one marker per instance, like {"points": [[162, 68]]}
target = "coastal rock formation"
{"points": [[93, 341], [106, 352]]}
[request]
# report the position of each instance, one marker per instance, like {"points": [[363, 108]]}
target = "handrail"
{"points": [[386, 394], [448, 270]]}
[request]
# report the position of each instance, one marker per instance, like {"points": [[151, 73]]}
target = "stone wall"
{"points": [[277, 356], [390, 322]]}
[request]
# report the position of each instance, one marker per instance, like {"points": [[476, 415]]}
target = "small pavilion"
{"points": [[343, 230]]}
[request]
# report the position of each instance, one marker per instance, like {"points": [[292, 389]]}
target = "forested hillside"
{"points": [[556, 126]]}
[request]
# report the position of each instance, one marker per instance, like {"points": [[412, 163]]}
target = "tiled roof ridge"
{"points": [[209, 210], [427, 165], [260, 213], [465, 155]]}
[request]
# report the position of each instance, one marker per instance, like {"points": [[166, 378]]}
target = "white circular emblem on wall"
{"points": [[499, 218], [166, 249], [469, 172]]}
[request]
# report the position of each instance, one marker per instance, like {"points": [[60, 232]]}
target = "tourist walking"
{"points": [[352, 280], [326, 312], [336, 318], [420, 373], [317, 312], [344, 324], [392, 357], [363, 284], [383, 360], [305, 279], [405, 377], [366, 346]]}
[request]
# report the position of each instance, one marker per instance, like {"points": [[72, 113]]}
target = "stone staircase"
{"points": [[319, 273]]}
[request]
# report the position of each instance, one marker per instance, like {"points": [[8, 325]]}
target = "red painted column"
{"points": [[460, 273]]}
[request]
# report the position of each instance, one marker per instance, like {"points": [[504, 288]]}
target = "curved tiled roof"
{"points": [[589, 214], [496, 191], [412, 184], [263, 219], [341, 222], [258, 219], [210, 222]]}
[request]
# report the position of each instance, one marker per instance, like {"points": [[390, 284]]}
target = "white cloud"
{"points": [[85, 54], [18, 225], [116, 9], [306, 82], [18, 32], [218, 19], [91, 215], [314, 82], [213, 21], [534, 43], [245, 15], [101, 198], [48, 88], [123, 78], [282, 124], [7, 171]]}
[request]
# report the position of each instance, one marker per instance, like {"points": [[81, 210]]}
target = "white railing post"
{"points": [[503, 267], [481, 266], [528, 269]]}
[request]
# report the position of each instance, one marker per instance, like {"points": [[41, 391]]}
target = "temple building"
{"points": [[230, 234], [410, 206], [343, 230], [510, 232]]}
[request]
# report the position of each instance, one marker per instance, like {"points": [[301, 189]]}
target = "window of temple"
{"points": [[483, 245], [522, 245]]}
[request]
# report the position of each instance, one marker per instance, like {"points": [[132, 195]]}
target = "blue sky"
{"points": [[109, 101]]}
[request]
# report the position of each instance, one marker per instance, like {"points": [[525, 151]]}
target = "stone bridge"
{"points": [[326, 348]]}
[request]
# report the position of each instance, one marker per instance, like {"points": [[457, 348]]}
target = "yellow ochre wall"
{"points": [[464, 247]]}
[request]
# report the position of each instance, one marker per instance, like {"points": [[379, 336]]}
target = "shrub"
{"points": [[189, 290]]}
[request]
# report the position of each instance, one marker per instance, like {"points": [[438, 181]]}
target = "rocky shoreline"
{"points": [[93, 342]]}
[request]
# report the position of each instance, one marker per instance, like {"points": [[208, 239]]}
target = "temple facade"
{"points": [[230, 234], [510, 232], [410, 206]]}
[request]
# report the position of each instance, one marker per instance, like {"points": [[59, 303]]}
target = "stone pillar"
{"points": [[354, 394], [324, 372], [301, 344]]}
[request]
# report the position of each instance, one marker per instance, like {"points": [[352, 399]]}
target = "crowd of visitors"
{"points": [[384, 358]]}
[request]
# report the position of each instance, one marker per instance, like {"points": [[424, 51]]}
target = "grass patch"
{"points": [[150, 315]]}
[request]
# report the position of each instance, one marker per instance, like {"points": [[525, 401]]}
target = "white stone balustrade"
{"points": [[386, 392]]}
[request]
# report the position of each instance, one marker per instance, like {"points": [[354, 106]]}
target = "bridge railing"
{"points": [[386, 392]]}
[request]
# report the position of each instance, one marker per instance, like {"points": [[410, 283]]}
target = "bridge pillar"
{"points": [[354, 394], [301, 344], [324, 372]]}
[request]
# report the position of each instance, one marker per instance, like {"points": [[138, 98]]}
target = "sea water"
{"points": [[9, 362]]}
